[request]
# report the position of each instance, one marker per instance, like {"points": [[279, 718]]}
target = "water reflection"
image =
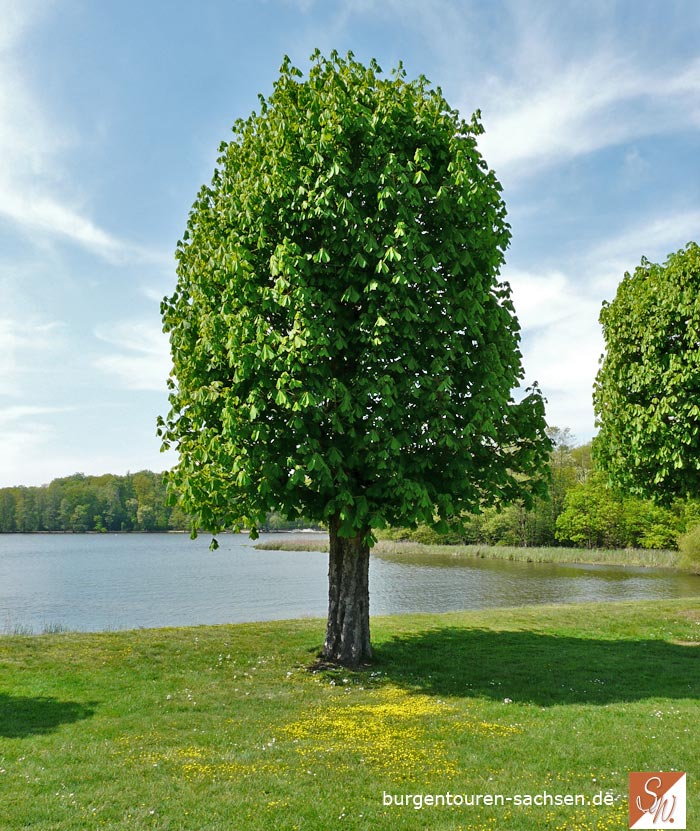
{"points": [[447, 583]]}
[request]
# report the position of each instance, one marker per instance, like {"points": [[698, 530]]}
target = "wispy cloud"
{"points": [[17, 16], [583, 107], [44, 213], [32, 195], [551, 86], [558, 310], [15, 413], [25, 432], [142, 357], [21, 344], [37, 445], [654, 238], [19, 445]]}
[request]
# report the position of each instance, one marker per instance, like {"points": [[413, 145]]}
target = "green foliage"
{"points": [[596, 516], [647, 393], [276, 522], [580, 509], [689, 545], [519, 523], [591, 517], [79, 503], [342, 345], [425, 534]]}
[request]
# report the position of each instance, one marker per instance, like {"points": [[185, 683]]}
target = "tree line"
{"points": [[79, 504], [137, 502], [578, 510]]}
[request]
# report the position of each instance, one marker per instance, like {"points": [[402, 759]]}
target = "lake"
{"points": [[102, 582]]}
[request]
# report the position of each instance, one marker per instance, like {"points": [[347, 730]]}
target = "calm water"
{"points": [[98, 582]]}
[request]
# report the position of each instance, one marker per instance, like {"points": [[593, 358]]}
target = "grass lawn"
{"points": [[226, 728]]}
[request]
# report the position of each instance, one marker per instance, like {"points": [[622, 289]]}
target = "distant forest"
{"points": [[579, 510], [109, 504]]}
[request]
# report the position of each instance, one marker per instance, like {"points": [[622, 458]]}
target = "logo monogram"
{"points": [[657, 800]]}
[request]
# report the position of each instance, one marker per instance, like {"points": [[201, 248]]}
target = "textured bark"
{"points": [[347, 634]]}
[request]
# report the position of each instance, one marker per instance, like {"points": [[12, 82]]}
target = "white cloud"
{"points": [[44, 213], [25, 433], [142, 361], [551, 86], [540, 299], [561, 344], [582, 107], [9, 415], [19, 445], [654, 238], [558, 311], [154, 294], [36, 448], [563, 358], [22, 342], [33, 209], [32, 193], [17, 16]]}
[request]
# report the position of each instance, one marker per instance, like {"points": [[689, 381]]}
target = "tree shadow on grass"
{"points": [[21, 717], [540, 669]]}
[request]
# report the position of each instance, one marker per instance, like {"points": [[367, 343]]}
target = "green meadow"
{"points": [[238, 727]]}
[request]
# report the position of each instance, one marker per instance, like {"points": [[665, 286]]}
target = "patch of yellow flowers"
{"points": [[387, 734], [194, 762], [611, 819], [487, 728], [391, 732]]}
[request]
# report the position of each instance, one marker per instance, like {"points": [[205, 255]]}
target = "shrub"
{"points": [[689, 545]]}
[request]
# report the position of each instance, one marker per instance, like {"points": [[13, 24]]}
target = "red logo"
{"points": [[657, 800]]}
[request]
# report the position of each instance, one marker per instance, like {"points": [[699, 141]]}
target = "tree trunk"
{"points": [[347, 633]]}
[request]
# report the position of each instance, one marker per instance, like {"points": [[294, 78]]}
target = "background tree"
{"points": [[342, 345], [591, 517], [647, 393], [597, 516], [79, 503]]}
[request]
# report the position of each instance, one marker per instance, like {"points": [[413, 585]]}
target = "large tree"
{"points": [[647, 393], [342, 345]]}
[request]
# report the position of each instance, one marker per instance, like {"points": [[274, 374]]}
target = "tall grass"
{"points": [[412, 550]]}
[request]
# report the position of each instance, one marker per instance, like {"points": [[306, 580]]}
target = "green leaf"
{"points": [[266, 353]]}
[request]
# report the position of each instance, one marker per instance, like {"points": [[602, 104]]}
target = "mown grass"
{"points": [[412, 550], [226, 727]]}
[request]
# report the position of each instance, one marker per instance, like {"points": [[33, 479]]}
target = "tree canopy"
{"points": [[342, 345], [647, 392]]}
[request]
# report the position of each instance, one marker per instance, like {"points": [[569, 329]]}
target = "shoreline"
{"points": [[400, 550]]}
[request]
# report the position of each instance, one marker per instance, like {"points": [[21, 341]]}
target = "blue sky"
{"points": [[110, 119]]}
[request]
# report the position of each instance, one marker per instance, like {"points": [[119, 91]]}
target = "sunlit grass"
{"points": [[233, 727]]}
